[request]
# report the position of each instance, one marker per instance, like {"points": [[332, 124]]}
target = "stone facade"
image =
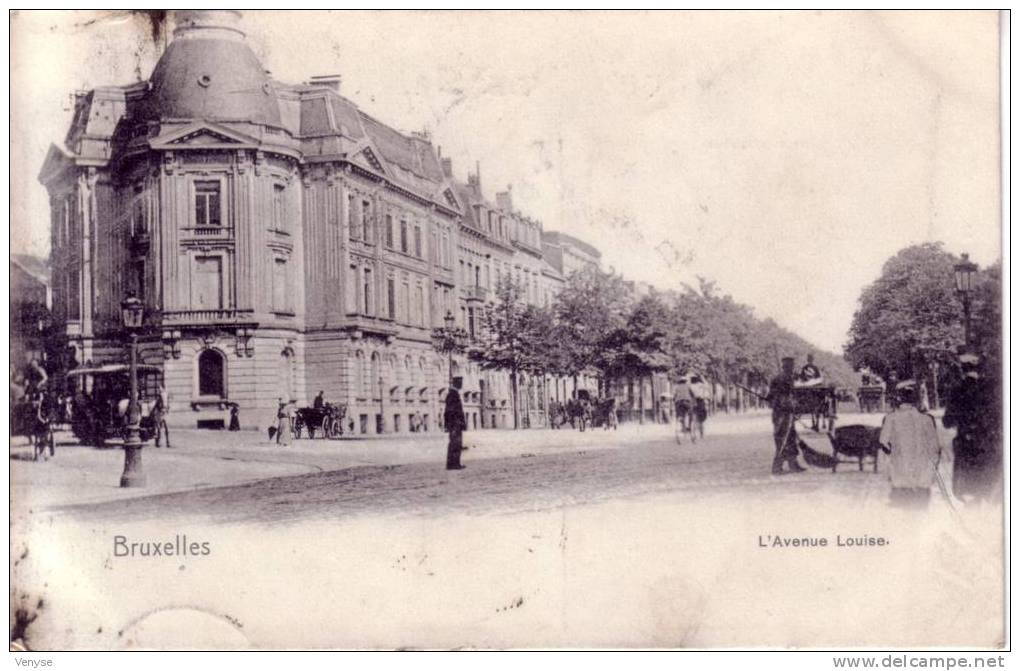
{"points": [[283, 242]]}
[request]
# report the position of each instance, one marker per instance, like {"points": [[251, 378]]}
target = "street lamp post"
{"points": [[964, 274], [132, 313], [448, 320]]}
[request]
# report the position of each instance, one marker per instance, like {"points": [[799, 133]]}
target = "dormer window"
{"points": [[207, 204]]}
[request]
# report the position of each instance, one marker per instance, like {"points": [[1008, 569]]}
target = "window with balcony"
{"points": [[207, 204]]}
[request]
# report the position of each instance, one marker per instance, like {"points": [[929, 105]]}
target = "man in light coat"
{"points": [[911, 439]]}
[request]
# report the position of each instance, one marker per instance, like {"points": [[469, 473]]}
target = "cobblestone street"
{"points": [[242, 476], [579, 469], [545, 539]]}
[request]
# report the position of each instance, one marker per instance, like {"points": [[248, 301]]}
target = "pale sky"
{"points": [[784, 155]]}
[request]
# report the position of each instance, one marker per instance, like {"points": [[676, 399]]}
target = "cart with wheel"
{"points": [[818, 402], [327, 421]]}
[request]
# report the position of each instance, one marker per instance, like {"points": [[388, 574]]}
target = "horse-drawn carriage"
{"points": [[327, 421], [817, 401], [871, 397], [99, 407]]}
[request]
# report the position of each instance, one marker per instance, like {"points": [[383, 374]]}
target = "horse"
{"points": [[579, 412]]}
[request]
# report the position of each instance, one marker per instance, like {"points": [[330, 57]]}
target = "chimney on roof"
{"points": [[331, 82], [478, 175], [447, 164], [505, 199]]}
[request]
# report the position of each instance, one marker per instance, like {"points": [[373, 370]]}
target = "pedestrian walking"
{"points": [[910, 438], [453, 416], [235, 417], [283, 423], [784, 434], [159, 413]]}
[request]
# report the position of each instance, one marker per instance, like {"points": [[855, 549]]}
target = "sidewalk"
{"points": [[203, 458]]}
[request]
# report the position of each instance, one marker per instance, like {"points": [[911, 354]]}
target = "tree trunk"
{"points": [[513, 398], [641, 400]]}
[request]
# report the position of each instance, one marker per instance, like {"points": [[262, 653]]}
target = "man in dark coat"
{"points": [[453, 416], [973, 410], [781, 398]]}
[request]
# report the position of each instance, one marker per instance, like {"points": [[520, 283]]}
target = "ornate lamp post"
{"points": [[964, 273], [449, 339], [448, 320], [131, 311]]}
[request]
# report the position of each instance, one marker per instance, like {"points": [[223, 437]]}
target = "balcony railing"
{"points": [[208, 231], [212, 316]]}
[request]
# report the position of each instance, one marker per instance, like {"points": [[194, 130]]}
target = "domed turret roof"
{"points": [[209, 72]]}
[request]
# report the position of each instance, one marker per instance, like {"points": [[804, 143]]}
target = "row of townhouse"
{"points": [[284, 242]]}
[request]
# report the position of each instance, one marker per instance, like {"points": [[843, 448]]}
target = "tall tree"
{"points": [[512, 337], [638, 349], [909, 319], [589, 309]]}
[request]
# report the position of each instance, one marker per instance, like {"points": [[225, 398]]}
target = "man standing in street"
{"points": [[910, 438], [973, 410], [780, 396], [159, 412], [453, 416]]}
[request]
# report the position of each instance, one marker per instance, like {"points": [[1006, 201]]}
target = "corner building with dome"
{"points": [[283, 243]]}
